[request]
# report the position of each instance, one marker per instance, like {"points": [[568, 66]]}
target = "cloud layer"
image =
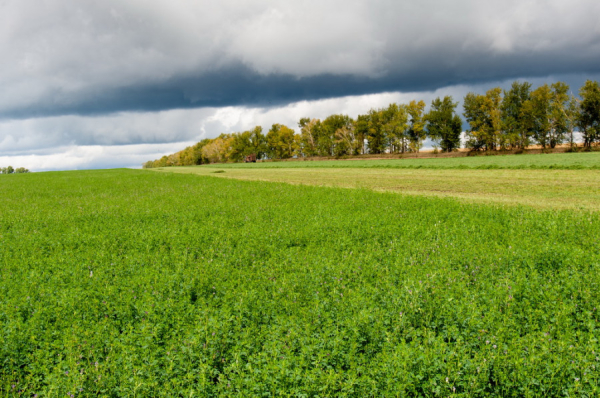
{"points": [[127, 139], [83, 81], [60, 57]]}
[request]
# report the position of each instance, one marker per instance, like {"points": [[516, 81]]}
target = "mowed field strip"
{"points": [[542, 188], [562, 161]]}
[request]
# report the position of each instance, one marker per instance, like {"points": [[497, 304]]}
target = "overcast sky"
{"points": [[91, 84]]}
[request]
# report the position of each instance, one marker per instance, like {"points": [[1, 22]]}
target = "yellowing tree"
{"points": [[416, 130], [219, 150], [346, 142], [484, 115], [309, 136], [282, 143]]}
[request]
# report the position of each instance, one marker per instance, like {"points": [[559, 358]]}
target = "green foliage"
{"points": [[512, 119], [416, 131], [395, 119], [483, 113], [131, 283], [310, 137], [538, 109], [192, 155], [282, 143], [589, 117], [247, 143], [443, 124], [11, 170], [475, 114], [375, 133]]}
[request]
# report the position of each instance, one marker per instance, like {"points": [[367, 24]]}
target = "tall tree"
{"points": [[474, 113], [443, 124], [241, 146], [347, 142], [559, 106], [589, 116], [571, 119], [361, 130], [282, 143], [258, 143], [329, 126], [484, 115], [375, 133], [416, 130], [219, 149], [310, 130], [395, 127], [516, 132], [536, 113]]}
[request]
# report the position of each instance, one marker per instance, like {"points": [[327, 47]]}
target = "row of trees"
{"points": [[11, 170], [498, 119], [519, 117]]}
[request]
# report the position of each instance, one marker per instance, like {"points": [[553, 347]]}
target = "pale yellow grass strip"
{"points": [[558, 189]]}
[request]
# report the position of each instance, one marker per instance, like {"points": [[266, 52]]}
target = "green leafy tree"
{"points": [[571, 119], [589, 112], [416, 129], [558, 115], [537, 114], [443, 124], [258, 142], [546, 114], [375, 133], [241, 146], [282, 143], [310, 131], [517, 134], [395, 127], [329, 127], [484, 115], [247, 143], [361, 131], [474, 113], [191, 155]]}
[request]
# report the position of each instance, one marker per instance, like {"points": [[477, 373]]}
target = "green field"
{"points": [[539, 188], [132, 283], [561, 161]]}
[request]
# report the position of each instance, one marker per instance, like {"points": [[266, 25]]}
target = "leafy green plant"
{"points": [[132, 283]]}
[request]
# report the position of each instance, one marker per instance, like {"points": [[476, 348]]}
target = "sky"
{"points": [[108, 84]]}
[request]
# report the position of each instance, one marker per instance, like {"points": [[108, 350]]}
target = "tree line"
{"points": [[11, 170], [517, 118]]}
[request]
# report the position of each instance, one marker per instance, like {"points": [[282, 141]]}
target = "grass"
{"points": [[561, 161], [136, 283], [542, 188]]}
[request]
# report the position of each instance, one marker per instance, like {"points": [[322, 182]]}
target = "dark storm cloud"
{"points": [[98, 58], [243, 87], [113, 83]]}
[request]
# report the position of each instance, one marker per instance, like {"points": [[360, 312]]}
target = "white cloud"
{"points": [[60, 53], [92, 156], [128, 139]]}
